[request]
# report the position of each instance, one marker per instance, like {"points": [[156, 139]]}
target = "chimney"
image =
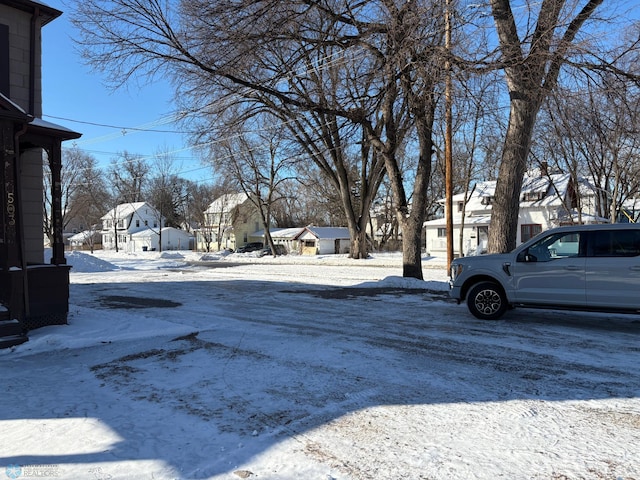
{"points": [[544, 169]]}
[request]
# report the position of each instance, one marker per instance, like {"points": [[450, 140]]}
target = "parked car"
{"points": [[250, 247], [280, 250], [581, 267]]}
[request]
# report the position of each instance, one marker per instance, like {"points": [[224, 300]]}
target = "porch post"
{"points": [[55, 163], [12, 273]]}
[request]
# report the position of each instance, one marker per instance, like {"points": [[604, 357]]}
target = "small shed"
{"points": [[323, 240]]}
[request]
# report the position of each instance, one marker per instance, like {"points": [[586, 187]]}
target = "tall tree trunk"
{"points": [[411, 246], [504, 216], [359, 248]]}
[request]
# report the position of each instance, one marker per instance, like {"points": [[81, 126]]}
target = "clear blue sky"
{"points": [[70, 91]]}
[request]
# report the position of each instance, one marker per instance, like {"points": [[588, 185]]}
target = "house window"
{"points": [[533, 196], [460, 206], [309, 243], [442, 232], [529, 231], [487, 201], [137, 223]]}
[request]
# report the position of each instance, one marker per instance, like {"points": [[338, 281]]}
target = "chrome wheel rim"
{"points": [[488, 302]]}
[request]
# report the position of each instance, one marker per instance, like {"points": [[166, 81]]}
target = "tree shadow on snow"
{"points": [[267, 361]]}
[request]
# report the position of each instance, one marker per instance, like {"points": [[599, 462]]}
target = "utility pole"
{"points": [[448, 140]]}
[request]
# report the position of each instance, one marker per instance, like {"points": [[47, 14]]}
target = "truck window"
{"points": [[615, 243], [559, 245]]}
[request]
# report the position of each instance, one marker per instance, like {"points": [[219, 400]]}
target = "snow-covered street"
{"points": [[183, 366]]}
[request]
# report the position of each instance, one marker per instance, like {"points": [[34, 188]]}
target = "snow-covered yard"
{"points": [[312, 368]]}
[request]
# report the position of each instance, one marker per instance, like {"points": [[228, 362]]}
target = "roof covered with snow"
{"points": [[124, 210], [227, 202], [325, 232]]}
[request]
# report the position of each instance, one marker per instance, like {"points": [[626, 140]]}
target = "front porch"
{"points": [[32, 293]]}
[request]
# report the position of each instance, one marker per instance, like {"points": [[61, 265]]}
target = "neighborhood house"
{"points": [[323, 240], [150, 238], [229, 222], [121, 222], [546, 200]]}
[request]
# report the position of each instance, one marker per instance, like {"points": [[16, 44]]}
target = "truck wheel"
{"points": [[486, 301]]}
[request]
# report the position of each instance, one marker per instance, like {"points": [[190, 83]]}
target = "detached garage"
{"points": [[324, 240], [148, 240]]}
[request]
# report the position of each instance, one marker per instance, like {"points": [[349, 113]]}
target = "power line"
{"points": [[123, 129]]}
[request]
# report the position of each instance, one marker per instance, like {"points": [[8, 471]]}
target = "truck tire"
{"points": [[487, 301]]}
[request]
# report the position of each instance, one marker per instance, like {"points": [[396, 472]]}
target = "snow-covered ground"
{"points": [[184, 366]]}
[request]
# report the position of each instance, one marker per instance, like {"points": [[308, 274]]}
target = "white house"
{"points": [[126, 219], [545, 201], [149, 240], [323, 240]]}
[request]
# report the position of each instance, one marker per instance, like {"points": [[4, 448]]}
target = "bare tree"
{"points": [[309, 199], [164, 191], [533, 51], [128, 174], [199, 197], [251, 51], [83, 191], [90, 201], [477, 126], [592, 133], [259, 164]]}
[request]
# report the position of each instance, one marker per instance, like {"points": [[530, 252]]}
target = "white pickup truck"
{"points": [[579, 267]]}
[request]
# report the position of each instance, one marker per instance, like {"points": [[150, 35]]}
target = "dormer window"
{"points": [[533, 196]]}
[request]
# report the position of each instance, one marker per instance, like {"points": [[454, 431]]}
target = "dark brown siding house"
{"points": [[32, 293]]}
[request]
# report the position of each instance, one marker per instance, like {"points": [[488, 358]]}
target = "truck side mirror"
{"points": [[526, 257]]}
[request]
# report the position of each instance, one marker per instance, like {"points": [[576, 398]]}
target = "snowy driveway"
{"points": [[271, 372]]}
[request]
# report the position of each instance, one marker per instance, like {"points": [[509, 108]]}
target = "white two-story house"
{"points": [[546, 201], [121, 222]]}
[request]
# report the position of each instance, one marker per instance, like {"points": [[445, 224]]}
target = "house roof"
{"points": [[552, 190], [37, 126], [45, 11], [286, 233], [227, 202], [325, 232], [84, 235], [124, 210], [40, 125]]}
